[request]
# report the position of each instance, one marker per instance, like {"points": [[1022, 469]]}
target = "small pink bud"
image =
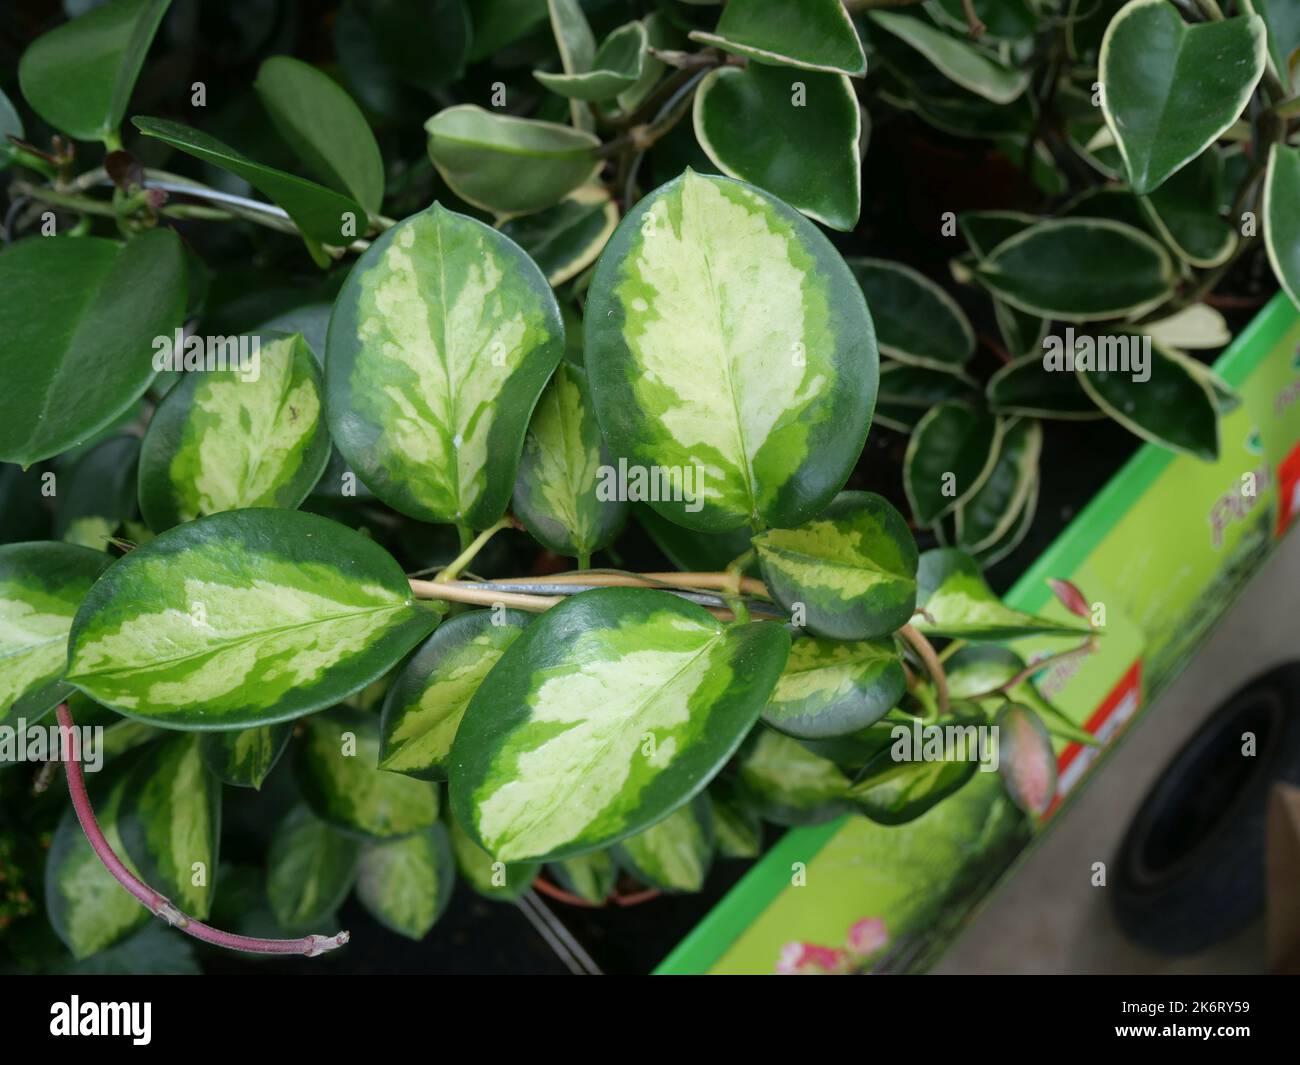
{"points": [[1071, 598]]}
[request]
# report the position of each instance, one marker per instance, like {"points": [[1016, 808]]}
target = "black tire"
{"points": [[1190, 871]]}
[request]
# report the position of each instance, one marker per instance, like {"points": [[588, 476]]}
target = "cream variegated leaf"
{"points": [[674, 854], [835, 687], [406, 883]]}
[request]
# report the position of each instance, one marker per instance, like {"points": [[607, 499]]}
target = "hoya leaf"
{"points": [[1026, 388], [244, 618], [244, 757], [425, 704], [98, 493], [902, 384], [610, 711], [310, 869], [498, 23], [91, 308], [916, 321], [993, 509], [1283, 21], [338, 775], [996, 552], [788, 784], [323, 215], [1170, 89], [956, 59], [509, 165], [325, 128], [808, 154], [442, 338], [249, 436], [954, 600], [11, 124], [727, 342], [1026, 759], [42, 585], [978, 669], [566, 239], [951, 453], [673, 854], [1197, 326], [563, 493], [850, 572], [833, 687], [1079, 269], [985, 230], [589, 876], [616, 66], [406, 883], [737, 828], [1282, 217], [1185, 212], [490, 877], [79, 76], [813, 35]]}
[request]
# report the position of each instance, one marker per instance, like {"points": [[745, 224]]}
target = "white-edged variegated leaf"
{"points": [[1197, 326], [957, 60], [490, 877], [731, 354], [994, 508], [406, 883], [834, 687], [616, 67], [673, 854], [590, 876], [310, 869], [1184, 211], [951, 453], [788, 784], [916, 321], [566, 239], [244, 618], [442, 338], [610, 711], [811, 35], [1026, 388], [1282, 217]]}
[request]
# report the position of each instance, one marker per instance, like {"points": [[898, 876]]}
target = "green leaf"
{"points": [[244, 757], [673, 854], [980, 668], [956, 59], [920, 386], [509, 165], [325, 128], [442, 338], [41, 587], [498, 23], [995, 553], [1024, 387], [993, 509], [233, 438], [1026, 759], [1282, 217], [310, 869], [916, 321], [1185, 212], [245, 618], [589, 876], [1004, 20], [853, 568], [814, 35], [788, 784], [170, 822], [566, 239], [833, 688], [616, 66], [1169, 90], [952, 452], [491, 878], [729, 347], [98, 493], [737, 829], [961, 605], [564, 493], [406, 884], [808, 153], [610, 711], [322, 214], [1282, 19], [11, 123], [691, 551], [91, 308], [1175, 407], [337, 772], [986, 230], [424, 706], [1079, 269], [79, 76]]}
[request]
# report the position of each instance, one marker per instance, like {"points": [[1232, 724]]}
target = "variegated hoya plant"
{"points": [[371, 551]]}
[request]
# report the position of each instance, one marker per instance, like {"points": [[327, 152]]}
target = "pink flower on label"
{"points": [[808, 959], [868, 936]]}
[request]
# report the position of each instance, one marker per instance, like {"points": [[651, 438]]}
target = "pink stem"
{"points": [[157, 904]]}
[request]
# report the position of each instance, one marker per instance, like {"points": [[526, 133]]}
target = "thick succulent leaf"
{"points": [[1026, 759], [1197, 326], [1185, 212], [245, 618], [490, 877], [853, 568], [1170, 89], [916, 321], [724, 334], [11, 123], [322, 214], [425, 704], [310, 869], [227, 439], [564, 492], [986, 230], [1025, 388], [406, 884], [170, 822], [509, 165], [589, 876], [833, 687], [993, 509], [922, 387], [813, 35], [737, 828], [788, 784], [1283, 21], [610, 711], [1175, 408], [442, 338], [42, 585], [673, 854], [79, 76], [958, 60], [566, 239], [980, 668], [1079, 269], [952, 452], [960, 604], [995, 553], [337, 772], [325, 128], [244, 757], [1282, 217], [616, 66], [91, 308], [808, 154]]}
